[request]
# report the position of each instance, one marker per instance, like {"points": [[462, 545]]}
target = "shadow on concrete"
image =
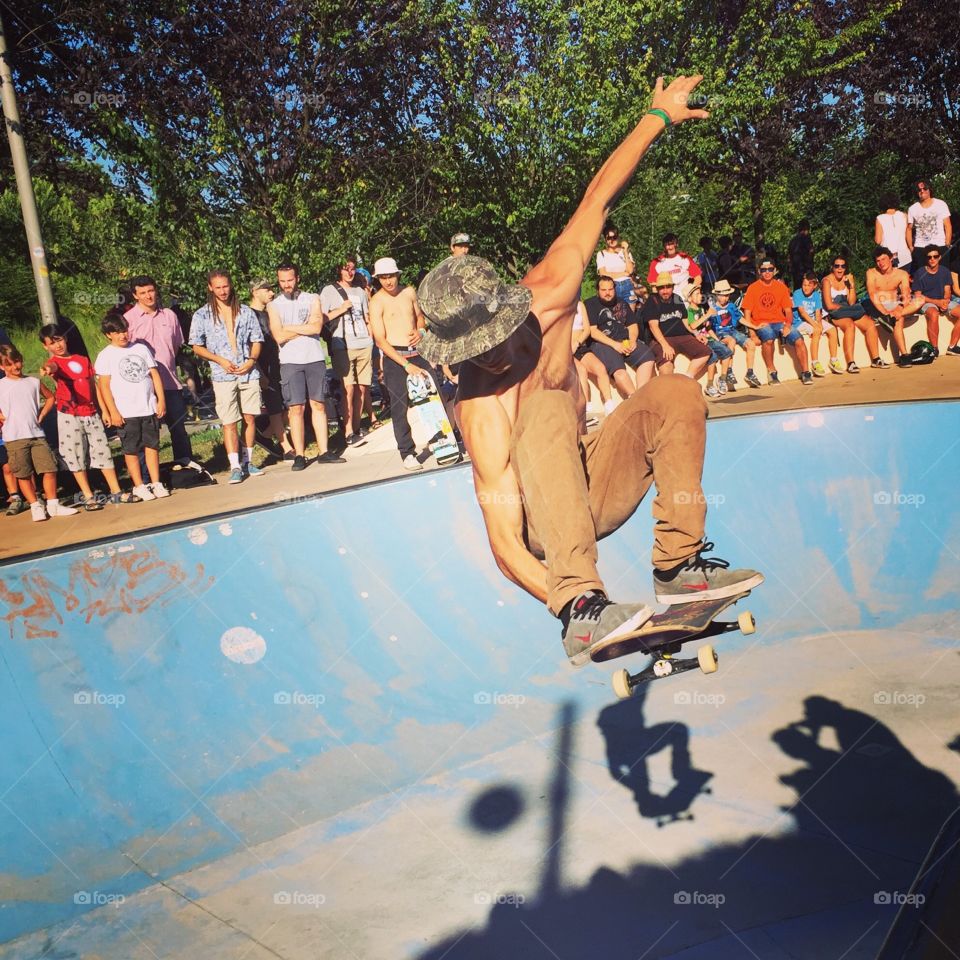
{"points": [[865, 814]]}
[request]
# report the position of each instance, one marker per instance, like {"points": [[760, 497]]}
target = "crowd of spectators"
{"points": [[288, 352], [707, 306]]}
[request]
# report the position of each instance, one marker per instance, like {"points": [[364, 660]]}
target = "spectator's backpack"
{"points": [[179, 477], [355, 333]]}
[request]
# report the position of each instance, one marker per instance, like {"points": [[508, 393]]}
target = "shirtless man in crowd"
{"points": [[546, 491], [890, 300], [397, 324]]}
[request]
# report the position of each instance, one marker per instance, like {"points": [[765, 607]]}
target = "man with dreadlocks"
{"points": [[228, 335]]}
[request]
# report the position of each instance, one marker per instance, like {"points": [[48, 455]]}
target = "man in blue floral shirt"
{"points": [[228, 335]]}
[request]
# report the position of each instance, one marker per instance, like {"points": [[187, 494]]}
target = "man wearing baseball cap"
{"points": [[547, 492], [460, 244]]}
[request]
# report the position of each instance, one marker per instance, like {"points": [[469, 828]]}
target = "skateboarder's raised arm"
{"points": [[557, 278]]}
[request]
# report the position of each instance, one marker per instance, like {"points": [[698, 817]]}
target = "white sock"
{"points": [[248, 454], [609, 406], [53, 503], [234, 459]]}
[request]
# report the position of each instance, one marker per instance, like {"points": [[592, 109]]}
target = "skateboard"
{"points": [[426, 404], [664, 634]]}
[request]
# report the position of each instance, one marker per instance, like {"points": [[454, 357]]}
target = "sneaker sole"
{"points": [[626, 631], [672, 599]]}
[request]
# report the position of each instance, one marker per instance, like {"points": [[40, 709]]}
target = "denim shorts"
{"points": [[770, 331], [735, 334], [718, 351]]}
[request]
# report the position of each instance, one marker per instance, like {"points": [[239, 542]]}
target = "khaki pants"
{"points": [[578, 489]]}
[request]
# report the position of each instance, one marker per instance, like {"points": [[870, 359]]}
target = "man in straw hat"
{"points": [[546, 490]]}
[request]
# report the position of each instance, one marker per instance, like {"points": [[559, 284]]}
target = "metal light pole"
{"points": [[28, 203]]}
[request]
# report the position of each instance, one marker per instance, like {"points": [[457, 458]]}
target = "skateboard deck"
{"points": [[664, 634], [426, 405]]}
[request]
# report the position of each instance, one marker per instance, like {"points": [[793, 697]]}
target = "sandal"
{"points": [[90, 505], [127, 497]]}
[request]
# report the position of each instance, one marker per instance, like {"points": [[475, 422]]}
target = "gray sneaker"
{"points": [[702, 578], [596, 623]]}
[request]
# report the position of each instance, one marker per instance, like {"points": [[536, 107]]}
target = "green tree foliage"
{"points": [[190, 134]]}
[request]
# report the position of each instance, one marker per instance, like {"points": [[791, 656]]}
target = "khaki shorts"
{"points": [[353, 366], [30, 456], [232, 399]]}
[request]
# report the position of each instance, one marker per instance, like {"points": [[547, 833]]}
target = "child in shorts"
{"points": [[809, 318], [83, 441], [724, 318], [20, 414], [719, 351], [133, 402]]}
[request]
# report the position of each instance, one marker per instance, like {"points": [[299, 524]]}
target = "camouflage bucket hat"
{"points": [[468, 309]]}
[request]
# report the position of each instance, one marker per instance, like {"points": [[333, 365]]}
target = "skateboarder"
{"points": [[546, 491]]}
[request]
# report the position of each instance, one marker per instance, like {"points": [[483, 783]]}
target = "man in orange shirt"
{"points": [[768, 309]]}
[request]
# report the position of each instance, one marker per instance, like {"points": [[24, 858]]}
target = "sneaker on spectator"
{"points": [[236, 476], [753, 380], [711, 390], [836, 367], [852, 367], [299, 463], [773, 380], [806, 378], [410, 462], [144, 492], [905, 360], [731, 379], [722, 386], [252, 470], [597, 624], [57, 509], [953, 351], [159, 490], [37, 511], [16, 505], [702, 578], [330, 457], [818, 370], [878, 363]]}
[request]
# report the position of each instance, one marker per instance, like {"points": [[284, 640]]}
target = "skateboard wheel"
{"points": [[707, 658], [746, 623], [621, 685]]}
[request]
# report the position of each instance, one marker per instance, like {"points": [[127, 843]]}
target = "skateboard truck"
{"points": [[665, 664]]}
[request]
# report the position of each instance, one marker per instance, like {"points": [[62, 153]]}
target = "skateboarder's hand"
{"points": [[675, 99]]}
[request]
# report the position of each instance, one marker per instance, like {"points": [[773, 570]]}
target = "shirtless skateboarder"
{"points": [[396, 321], [545, 488]]}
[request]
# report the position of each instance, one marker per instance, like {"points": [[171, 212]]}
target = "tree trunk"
{"points": [[756, 210]]}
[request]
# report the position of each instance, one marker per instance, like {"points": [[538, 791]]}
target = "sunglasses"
{"points": [[933, 256], [839, 266], [613, 237], [766, 270]]}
